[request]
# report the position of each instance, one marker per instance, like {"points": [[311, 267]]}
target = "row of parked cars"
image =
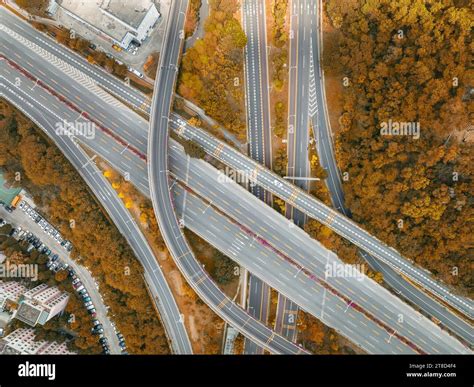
{"points": [[55, 264], [98, 328], [45, 226]]}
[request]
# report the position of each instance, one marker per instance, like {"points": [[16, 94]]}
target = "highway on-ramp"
{"points": [[115, 208], [170, 227]]}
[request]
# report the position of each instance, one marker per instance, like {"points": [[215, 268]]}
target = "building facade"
{"points": [[22, 342], [41, 304]]}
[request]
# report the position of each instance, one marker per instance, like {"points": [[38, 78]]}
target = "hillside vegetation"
{"points": [[408, 61], [60, 192]]}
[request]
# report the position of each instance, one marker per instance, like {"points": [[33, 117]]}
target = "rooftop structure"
{"points": [[121, 21], [41, 304], [10, 291], [22, 342]]}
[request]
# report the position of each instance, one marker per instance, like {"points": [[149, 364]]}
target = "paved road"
{"points": [[192, 165], [193, 173], [258, 133], [109, 109], [307, 253], [123, 120], [297, 132], [319, 211], [170, 227], [276, 271], [323, 134], [114, 206], [19, 218], [298, 107]]}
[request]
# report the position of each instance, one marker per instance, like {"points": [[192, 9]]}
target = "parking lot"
{"points": [[25, 224]]}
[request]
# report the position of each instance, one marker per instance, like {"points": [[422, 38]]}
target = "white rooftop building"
{"points": [[119, 21], [22, 342], [41, 304]]}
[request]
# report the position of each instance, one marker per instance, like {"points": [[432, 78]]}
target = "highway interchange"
{"points": [[170, 227], [135, 138], [195, 214], [199, 173], [324, 144], [164, 300]]}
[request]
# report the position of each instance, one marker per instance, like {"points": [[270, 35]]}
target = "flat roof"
{"points": [[131, 12], [98, 14], [28, 313]]}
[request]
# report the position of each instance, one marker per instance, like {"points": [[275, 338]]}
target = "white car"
{"points": [[136, 72]]}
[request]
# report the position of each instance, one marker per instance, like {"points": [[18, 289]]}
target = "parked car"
{"points": [[90, 306], [53, 265], [89, 303], [54, 257], [96, 322], [82, 291], [86, 299], [103, 340], [137, 73], [91, 311]]}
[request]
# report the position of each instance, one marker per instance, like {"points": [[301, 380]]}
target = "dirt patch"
{"points": [[192, 329], [177, 282]]}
